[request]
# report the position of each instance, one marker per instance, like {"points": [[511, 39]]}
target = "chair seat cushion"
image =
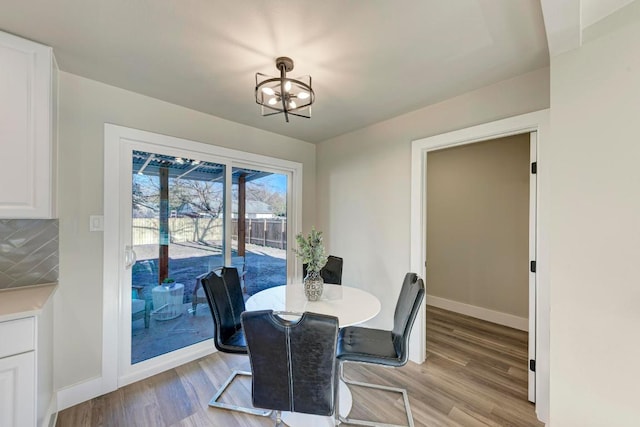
{"points": [[358, 344], [236, 343]]}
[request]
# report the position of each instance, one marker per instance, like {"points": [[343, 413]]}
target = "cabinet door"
{"points": [[25, 129], [17, 390]]}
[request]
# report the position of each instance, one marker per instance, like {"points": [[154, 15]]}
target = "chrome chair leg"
{"points": [[214, 400], [403, 391]]}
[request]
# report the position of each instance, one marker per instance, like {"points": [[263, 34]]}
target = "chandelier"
{"points": [[284, 95]]}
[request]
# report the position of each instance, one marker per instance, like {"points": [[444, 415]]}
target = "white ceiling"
{"points": [[370, 60], [596, 10]]}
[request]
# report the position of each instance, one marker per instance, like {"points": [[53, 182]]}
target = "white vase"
{"points": [[313, 285]]}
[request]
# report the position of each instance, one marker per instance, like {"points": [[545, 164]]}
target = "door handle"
{"points": [[130, 257]]}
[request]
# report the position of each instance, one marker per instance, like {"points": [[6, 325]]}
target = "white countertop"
{"points": [[23, 302]]}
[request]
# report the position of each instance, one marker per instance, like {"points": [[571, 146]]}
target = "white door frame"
{"points": [[533, 225], [118, 143], [532, 122]]}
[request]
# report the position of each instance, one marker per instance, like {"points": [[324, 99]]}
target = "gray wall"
{"points": [[363, 181], [478, 224], [85, 106]]}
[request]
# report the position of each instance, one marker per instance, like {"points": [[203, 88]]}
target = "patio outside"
{"points": [[265, 268], [178, 235]]}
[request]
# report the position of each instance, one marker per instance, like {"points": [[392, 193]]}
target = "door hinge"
{"points": [[534, 167], [533, 266], [532, 365]]}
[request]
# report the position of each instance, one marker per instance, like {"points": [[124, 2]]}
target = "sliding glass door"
{"points": [[177, 233], [183, 214], [259, 228]]}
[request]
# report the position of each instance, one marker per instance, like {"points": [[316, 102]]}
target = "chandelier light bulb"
{"points": [[287, 86], [292, 104], [303, 95], [268, 91], [272, 101]]}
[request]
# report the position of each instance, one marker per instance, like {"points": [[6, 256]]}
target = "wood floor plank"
{"points": [[475, 375]]}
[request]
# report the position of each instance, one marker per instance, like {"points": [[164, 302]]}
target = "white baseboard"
{"points": [[78, 393], [505, 319], [81, 392], [168, 361], [51, 416]]}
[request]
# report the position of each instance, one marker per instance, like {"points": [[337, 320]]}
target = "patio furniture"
{"points": [[381, 347], [332, 271], [224, 295], [167, 301], [293, 361], [198, 296], [140, 307]]}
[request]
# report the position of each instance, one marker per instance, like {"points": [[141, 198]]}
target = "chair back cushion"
{"points": [[409, 300], [224, 295], [293, 363], [331, 273]]}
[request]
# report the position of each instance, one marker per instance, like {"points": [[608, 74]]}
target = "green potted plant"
{"points": [[168, 282], [311, 252]]}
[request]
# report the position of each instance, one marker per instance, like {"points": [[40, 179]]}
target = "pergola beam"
{"points": [[163, 256], [242, 200]]}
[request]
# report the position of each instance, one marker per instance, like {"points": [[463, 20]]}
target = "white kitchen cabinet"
{"points": [[26, 357], [17, 390], [28, 86], [17, 373]]}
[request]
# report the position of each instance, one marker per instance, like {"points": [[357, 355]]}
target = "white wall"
{"points": [[363, 181], [595, 227], [85, 106]]}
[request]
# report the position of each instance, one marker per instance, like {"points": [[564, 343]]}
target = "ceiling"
{"points": [[370, 60]]}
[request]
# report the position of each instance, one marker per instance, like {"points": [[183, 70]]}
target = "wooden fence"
{"points": [[270, 232]]}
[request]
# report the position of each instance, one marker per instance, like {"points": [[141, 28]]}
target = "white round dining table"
{"points": [[350, 305]]}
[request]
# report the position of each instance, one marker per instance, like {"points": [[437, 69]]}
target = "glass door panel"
{"points": [[259, 228], [178, 235]]}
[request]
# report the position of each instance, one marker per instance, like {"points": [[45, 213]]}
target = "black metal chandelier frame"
{"points": [[284, 99]]}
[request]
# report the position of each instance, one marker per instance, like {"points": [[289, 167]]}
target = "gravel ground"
{"points": [[266, 267]]}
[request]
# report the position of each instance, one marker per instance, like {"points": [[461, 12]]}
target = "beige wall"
{"points": [[595, 227], [85, 106], [478, 224], [363, 181]]}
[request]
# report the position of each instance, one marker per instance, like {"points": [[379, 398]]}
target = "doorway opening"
{"points": [[480, 238], [536, 123]]}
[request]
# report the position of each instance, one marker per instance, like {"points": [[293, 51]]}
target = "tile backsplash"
{"points": [[28, 252]]}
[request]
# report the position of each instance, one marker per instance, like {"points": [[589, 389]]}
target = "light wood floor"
{"points": [[475, 375]]}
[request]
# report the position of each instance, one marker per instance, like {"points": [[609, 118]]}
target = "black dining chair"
{"points": [[382, 347], [224, 295], [331, 273], [293, 361]]}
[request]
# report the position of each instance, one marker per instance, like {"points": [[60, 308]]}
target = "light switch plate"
{"points": [[96, 223]]}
